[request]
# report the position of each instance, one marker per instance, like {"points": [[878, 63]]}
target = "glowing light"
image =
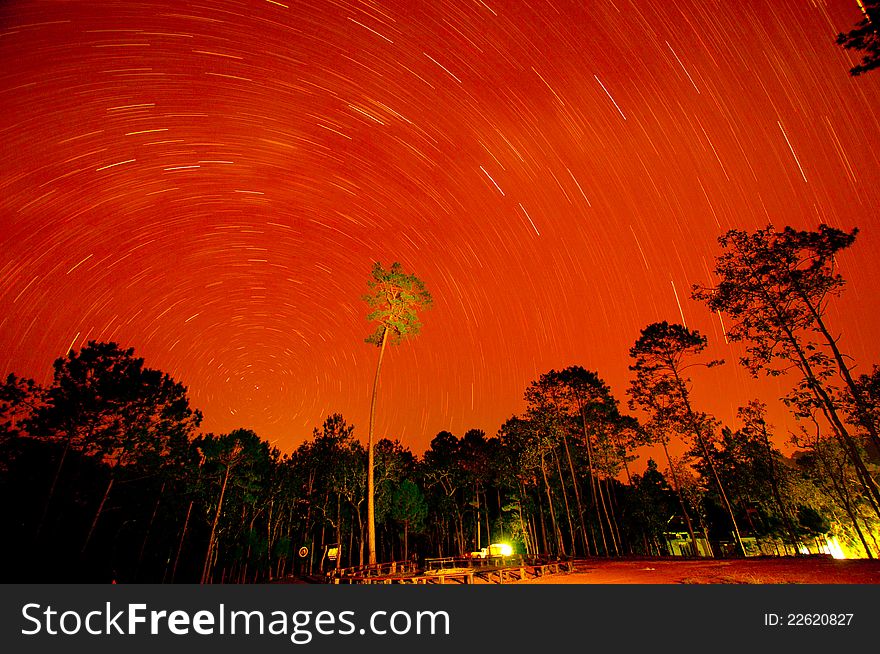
{"points": [[500, 549], [834, 547]]}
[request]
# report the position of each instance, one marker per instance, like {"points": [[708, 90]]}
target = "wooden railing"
{"points": [[448, 570], [376, 569]]}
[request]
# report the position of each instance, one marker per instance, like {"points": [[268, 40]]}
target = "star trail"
{"points": [[210, 183]]}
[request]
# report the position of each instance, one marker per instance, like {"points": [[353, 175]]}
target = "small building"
{"points": [[678, 543]]}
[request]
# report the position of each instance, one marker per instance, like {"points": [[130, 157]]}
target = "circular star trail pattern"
{"points": [[210, 183]]}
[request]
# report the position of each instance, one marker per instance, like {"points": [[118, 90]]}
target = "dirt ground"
{"points": [[771, 570]]}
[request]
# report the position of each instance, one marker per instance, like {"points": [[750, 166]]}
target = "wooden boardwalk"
{"points": [[448, 573]]}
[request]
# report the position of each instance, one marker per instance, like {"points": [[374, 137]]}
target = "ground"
{"points": [[771, 570]]}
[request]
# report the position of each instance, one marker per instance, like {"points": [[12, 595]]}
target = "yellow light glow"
{"points": [[834, 547], [500, 549]]}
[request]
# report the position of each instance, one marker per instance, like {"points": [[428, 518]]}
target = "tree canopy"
{"points": [[395, 299], [864, 38]]}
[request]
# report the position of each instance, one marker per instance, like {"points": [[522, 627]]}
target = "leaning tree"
{"points": [[777, 287], [662, 355]]}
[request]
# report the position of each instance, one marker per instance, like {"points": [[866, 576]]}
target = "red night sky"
{"points": [[210, 183]]}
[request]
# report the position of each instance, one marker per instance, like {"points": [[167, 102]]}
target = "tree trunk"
{"points": [[500, 513], [630, 483], [307, 525], [180, 543], [557, 533], [571, 530], [149, 528], [777, 496], [98, 514], [698, 433], [371, 510], [858, 398], [463, 544], [615, 529], [684, 512], [351, 544], [338, 532], [604, 505], [321, 541], [360, 536], [406, 540], [270, 537], [592, 476], [546, 548], [522, 524], [54, 483], [488, 525], [706, 536], [575, 486], [477, 516], [207, 566], [708, 458], [577, 495]]}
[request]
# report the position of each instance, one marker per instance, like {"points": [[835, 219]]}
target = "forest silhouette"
{"points": [[107, 477]]}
